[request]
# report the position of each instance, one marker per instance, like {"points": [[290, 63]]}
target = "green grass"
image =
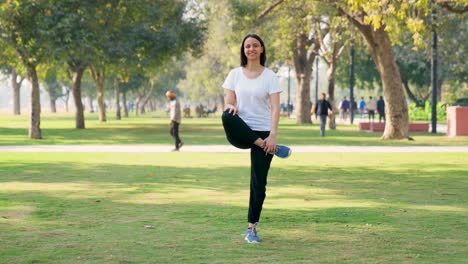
{"points": [[320, 208], [153, 129]]}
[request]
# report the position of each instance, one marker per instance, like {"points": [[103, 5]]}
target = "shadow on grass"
{"points": [[97, 212], [142, 134], [409, 183], [206, 134], [99, 229]]}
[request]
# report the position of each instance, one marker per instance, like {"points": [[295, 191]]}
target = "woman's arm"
{"points": [[230, 102], [270, 141]]}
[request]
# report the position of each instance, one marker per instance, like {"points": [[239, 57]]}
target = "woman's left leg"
{"points": [[260, 165]]}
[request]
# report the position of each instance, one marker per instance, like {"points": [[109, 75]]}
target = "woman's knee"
{"points": [[227, 117]]}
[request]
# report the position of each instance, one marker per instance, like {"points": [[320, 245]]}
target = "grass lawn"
{"points": [[152, 128], [326, 208]]}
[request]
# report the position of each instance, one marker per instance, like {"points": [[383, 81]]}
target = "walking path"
{"points": [[226, 148]]}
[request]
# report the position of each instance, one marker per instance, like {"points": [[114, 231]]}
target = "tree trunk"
{"points": [[410, 94], [331, 73], [90, 103], [117, 98], [144, 100], [67, 97], [396, 109], [124, 103], [53, 105], [76, 90], [35, 121], [100, 100], [303, 61], [16, 92], [153, 105], [303, 100], [99, 76], [440, 81]]}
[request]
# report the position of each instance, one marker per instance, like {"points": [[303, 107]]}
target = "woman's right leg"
{"points": [[238, 133], [259, 167]]}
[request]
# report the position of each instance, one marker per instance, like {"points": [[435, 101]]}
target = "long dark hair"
{"points": [[243, 58]]}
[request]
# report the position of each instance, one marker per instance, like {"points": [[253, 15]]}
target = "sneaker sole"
{"points": [[251, 242], [289, 154]]}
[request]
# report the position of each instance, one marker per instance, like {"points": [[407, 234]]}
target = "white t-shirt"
{"points": [[253, 96]]}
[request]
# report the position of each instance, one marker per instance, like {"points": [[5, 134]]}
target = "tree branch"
{"points": [[318, 33], [21, 80], [340, 51], [269, 9], [452, 7]]}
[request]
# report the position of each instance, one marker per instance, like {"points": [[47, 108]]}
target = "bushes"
{"points": [[425, 113]]}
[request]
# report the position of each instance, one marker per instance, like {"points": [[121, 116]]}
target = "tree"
{"points": [[110, 37], [24, 29], [9, 66], [291, 34], [376, 20], [88, 90], [332, 46], [141, 35], [132, 84], [298, 33], [75, 74], [72, 43], [415, 71], [16, 82], [53, 86], [452, 30], [206, 71], [382, 23], [380, 46], [366, 75]]}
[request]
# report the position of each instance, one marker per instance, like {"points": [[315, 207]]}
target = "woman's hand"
{"points": [[232, 109], [269, 145]]}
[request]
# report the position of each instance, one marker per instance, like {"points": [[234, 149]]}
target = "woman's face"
{"points": [[252, 49]]}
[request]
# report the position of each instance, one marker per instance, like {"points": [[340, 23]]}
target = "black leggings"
{"points": [[239, 134], [174, 131]]}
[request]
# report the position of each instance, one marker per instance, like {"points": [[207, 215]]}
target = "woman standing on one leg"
{"points": [[250, 120]]}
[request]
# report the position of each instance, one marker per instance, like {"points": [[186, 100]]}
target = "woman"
{"points": [[250, 120]]}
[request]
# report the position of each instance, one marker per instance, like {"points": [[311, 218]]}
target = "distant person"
{"points": [[187, 112], [344, 108], [250, 121], [362, 107], [381, 109], [291, 108], [353, 107], [371, 107], [323, 109], [212, 111], [175, 115]]}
